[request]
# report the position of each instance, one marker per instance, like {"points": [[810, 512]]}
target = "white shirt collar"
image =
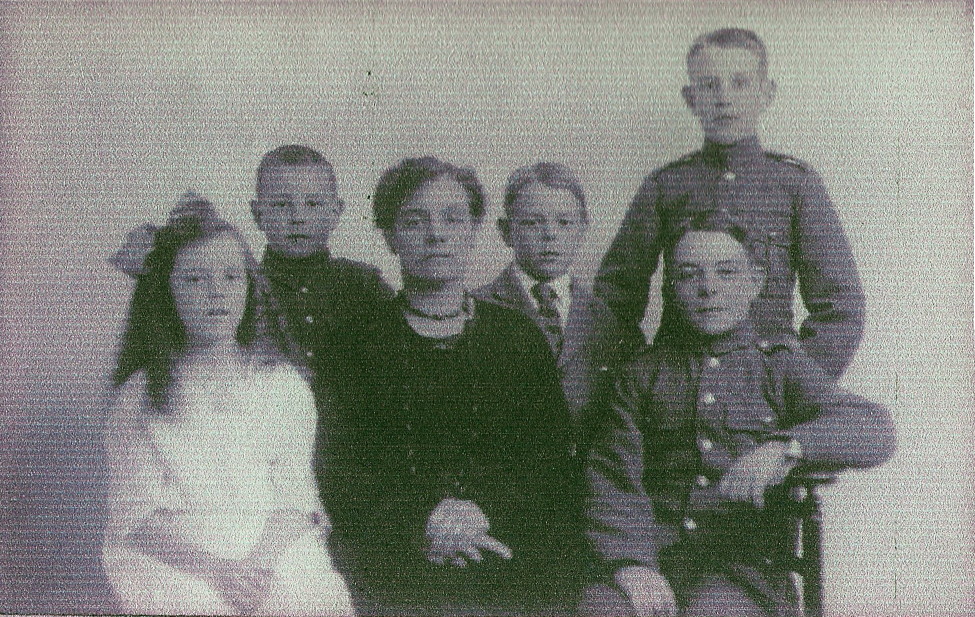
{"points": [[561, 285]]}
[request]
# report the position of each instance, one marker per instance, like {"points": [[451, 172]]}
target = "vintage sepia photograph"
{"points": [[488, 308]]}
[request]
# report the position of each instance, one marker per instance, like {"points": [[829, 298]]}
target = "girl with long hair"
{"points": [[213, 505]]}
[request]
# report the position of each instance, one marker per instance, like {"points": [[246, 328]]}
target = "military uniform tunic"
{"points": [[783, 203], [329, 303], [682, 414]]}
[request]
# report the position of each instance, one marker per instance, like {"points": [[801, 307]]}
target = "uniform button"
{"points": [[413, 469], [409, 426], [714, 362], [309, 354], [573, 451], [702, 481], [708, 398], [769, 419], [409, 453], [603, 368], [763, 345], [729, 176], [309, 319], [705, 444], [304, 290], [767, 561], [689, 524]]}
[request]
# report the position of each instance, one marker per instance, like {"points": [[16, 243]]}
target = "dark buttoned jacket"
{"points": [[783, 203], [683, 413], [591, 346]]}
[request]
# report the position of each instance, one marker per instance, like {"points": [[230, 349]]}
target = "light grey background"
{"points": [[111, 111]]}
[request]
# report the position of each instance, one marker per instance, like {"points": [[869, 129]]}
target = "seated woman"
{"points": [[463, 493], [213, 507]]}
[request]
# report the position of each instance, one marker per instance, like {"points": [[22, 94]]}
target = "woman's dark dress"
{"points": [[480, 417]]}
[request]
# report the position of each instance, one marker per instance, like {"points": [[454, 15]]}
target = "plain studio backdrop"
{"points": [[111, 111]]}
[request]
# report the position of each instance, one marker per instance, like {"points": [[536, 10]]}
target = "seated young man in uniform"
{"points": [[687, 505]]}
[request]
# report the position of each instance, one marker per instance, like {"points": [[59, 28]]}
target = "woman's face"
{"points": [[209, 287], [433, 233]]}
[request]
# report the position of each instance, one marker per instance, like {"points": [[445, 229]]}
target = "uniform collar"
{"points": [[295, 270], [732, 156], [741, 337], [689, 341]]}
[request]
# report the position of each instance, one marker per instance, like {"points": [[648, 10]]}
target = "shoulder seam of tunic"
{"points": [[687, 159], [789, 160]]}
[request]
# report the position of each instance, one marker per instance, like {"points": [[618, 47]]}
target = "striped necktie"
{"points": [[548, 312]]}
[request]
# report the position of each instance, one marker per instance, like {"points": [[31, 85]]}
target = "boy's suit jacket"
{"points": [[591, 348]]}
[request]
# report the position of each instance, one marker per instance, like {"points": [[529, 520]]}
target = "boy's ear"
{"points": [[688, 93], [757, 282], [770, 89], [256, 213], [504, 228], [388, 237]]}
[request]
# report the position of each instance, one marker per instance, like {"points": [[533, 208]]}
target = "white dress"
{"points": [[236, 449]]}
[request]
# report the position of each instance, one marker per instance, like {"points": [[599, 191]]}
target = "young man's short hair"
{"points": [[398, 184], [719, 221], [292, 155], [552, 175], [732, 38]]}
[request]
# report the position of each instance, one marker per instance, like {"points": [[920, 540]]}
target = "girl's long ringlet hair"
{"points": [[154, 336]]}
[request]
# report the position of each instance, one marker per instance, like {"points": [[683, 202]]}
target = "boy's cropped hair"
{"points": [[398, 184], [552, 175], [719, 221], [735, 38], [292, 155]]}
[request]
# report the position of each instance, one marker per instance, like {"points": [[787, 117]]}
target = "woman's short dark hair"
{"points": [[154, 334], [400, 182]]}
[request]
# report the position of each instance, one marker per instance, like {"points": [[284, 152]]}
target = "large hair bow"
{"points": [[131, 256]]}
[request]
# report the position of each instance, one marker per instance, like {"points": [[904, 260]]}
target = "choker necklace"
{"points": [[466, 309]]}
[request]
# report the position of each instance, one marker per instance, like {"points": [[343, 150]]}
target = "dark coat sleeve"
{"points": [[622, 527], [623, 279], [835, 428], [829, 283]]}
